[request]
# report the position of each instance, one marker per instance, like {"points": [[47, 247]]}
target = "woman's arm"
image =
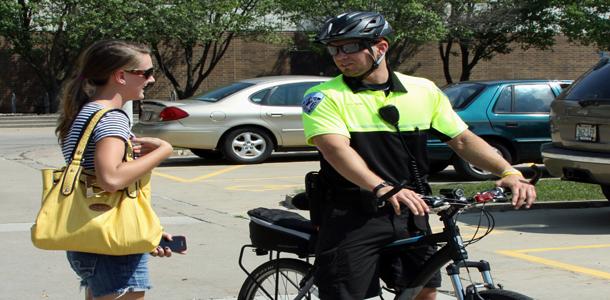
{"points": [[113, 173]]}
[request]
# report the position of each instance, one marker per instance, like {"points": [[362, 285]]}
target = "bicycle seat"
{"points": [[281, 230]]}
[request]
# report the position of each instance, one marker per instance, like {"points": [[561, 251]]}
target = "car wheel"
{"points": [[207, 154], [437, 166], [606, 191], [471, 172], [247, 145]]}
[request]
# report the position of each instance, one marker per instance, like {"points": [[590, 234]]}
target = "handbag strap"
{"points": [[73, 170]]}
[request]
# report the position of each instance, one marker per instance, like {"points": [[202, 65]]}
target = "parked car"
{"points": [[580, 130], [243, 121], [511, 115]]}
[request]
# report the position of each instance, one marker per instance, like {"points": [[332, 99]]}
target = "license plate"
{"points": [[586, 132]]}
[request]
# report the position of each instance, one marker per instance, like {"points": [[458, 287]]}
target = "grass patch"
{"points": [[551, 189]]}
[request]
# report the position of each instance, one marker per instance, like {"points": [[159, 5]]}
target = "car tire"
{"points": [[247, 145], [471, 172], [207, 154], [437, 166], [606, 191]]}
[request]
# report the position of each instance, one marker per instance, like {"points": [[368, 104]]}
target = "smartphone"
{"points": [[177, 244]]}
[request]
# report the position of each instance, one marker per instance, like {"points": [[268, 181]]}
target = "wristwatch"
{"points": [[379, 186]]}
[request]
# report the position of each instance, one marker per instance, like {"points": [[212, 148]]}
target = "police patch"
{"points": [[310, 101]]}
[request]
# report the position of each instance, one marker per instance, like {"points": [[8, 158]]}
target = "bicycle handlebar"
{"points": [[456, 196]]}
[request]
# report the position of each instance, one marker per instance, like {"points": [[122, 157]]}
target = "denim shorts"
{"points": [[108, 274]]}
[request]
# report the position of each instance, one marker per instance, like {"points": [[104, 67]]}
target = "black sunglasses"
{"points": [[348, 48], [145, 73]]}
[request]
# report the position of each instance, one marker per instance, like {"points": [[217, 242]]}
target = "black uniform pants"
{"points": [[348, 255]]}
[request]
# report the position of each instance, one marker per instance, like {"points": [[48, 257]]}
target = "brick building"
{"points": [[246, 59]]}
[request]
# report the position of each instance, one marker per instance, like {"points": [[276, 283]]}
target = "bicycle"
{"points": [[273, 231]]}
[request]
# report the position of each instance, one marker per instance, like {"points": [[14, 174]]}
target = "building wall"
{"points": [[564, 61], [246, 58]]}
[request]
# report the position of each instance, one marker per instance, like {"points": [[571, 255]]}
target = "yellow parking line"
{"points": [[202, 177], [557, 264], [564, 248]]}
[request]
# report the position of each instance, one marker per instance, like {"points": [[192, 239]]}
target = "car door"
{"points": [[281, 109], [521, 114]]}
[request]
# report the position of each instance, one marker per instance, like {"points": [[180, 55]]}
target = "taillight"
{"points": [[172, 113]]}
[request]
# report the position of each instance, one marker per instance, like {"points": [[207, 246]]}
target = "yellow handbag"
{"points": [[76, 215]]}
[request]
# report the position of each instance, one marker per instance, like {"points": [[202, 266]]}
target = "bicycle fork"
{"points": [[453, 270]]}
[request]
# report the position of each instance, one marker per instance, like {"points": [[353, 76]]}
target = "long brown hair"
{"points": [[94, 67]]}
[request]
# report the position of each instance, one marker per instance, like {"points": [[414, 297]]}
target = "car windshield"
{"points": [[593, 85], [222, 92], [461, 94]]}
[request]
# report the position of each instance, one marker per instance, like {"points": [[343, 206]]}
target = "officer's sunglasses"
{"points": [[348, 48], [144, 73]]}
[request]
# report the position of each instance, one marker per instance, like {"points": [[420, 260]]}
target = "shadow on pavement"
{"points": [[594, 220], [186, 161]]}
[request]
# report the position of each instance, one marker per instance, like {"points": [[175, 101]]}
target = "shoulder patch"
{"points": [[310, 101]]}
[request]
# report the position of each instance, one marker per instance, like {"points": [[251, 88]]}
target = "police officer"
{"points": [[364, 156]]}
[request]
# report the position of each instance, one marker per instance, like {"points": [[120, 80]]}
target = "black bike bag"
{"points": [[281, 230]]}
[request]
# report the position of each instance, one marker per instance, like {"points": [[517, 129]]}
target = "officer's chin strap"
{"points": [[376, 63]]}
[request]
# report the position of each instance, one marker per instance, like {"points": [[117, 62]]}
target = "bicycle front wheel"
{"points": [[278, 279], [497, 294]]}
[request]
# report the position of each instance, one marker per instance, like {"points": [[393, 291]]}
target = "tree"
{"points": [[414, 23], [587, 22], [49, 34], [482, 29], [192, 36]]}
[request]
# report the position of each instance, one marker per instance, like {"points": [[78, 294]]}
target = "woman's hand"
{"points": [[145, 145], [164, 251]]}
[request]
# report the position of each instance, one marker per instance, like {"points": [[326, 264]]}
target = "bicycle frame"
{"points": [[453, 250]]}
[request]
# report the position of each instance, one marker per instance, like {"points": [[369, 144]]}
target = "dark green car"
{"points": [[511, 115]]}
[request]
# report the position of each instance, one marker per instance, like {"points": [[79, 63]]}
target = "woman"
{"points": [[110, 73]]}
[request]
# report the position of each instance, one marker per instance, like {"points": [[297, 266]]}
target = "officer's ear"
{"points": [[382, 46]]}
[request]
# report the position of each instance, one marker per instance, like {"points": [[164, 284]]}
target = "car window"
{"points": [[533, 98], [525, 98], [505, 100], [593, 85], [259, 96], [289, 94], [222, 92], [461, 94]]}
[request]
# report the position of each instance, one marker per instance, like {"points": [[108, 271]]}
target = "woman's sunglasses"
{"points": [[348, 48], [144, 73]]}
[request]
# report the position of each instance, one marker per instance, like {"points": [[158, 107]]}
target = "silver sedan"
{"points": [[243, 122]]}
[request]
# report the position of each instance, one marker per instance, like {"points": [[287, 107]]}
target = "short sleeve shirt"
{"points": [[334, 108], [113, 123]]}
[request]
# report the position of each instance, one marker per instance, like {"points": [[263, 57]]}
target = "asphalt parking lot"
{"points": [[543, 253]]}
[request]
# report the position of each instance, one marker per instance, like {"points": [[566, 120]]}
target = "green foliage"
{"points": [[587, 22], [49, 34], [197, 33], [482, 29], [414, 21]]}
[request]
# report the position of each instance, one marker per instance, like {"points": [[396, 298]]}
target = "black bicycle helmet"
{"points": [[355, 25]]}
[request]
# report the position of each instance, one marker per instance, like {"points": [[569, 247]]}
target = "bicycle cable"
{"points": [[490, 226]]}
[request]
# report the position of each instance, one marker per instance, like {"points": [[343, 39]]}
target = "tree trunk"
{"points": [[445, 53], [466, 67]]}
